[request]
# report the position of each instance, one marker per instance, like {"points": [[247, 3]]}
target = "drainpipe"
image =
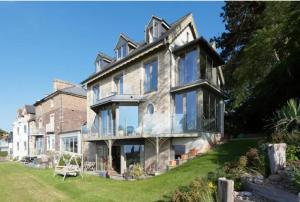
{"points": [[170, 52]]}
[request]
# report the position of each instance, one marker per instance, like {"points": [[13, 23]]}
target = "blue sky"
{"points": [[40, 41]]}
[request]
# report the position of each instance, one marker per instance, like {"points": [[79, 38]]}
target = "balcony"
{"points": [[37, 131], [161, 125], [116, 98]]}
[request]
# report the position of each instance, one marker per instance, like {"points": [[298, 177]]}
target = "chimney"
{"points": [[60, 84]]}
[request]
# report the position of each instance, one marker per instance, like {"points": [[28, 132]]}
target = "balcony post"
{"points": [[157, 152], [109, 155]]}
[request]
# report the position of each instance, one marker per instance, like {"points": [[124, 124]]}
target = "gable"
{"points": [[121, 42], [177, 34]]}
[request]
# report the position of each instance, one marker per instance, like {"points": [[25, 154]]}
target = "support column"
{"points": [[157, 152], [222, 118], [109, 154]]}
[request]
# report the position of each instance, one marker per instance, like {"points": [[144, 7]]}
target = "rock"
{"points": [[275, 178], [258, 179], [277, 157]]}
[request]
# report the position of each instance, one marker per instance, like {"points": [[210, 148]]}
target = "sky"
{"points": [[42, 41]]}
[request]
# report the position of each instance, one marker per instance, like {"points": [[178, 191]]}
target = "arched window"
{"points": [[150, 109]]}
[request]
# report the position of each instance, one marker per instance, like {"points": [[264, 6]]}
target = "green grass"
{"points": [[20, 183]]}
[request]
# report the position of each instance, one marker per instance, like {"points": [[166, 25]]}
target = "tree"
{"points": [[263, 70]]}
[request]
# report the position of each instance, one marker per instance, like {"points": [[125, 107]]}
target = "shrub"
{"points": [[66, 158], [137, 171], [296, 177], [292, 153], [287, 119], [3, 153], [199, 190], [243, 161]]}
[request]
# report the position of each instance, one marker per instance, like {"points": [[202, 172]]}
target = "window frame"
{"points": [[148, 62]]}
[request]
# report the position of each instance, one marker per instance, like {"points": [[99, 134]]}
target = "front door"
{"points": [[116, 158]]}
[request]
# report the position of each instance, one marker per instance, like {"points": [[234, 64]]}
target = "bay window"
{"points": [[185, 112], [188, 67]]}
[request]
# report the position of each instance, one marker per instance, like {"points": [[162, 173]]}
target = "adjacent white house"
{"points": [[21, 132]]}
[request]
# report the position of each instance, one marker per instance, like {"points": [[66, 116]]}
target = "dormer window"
{"points": [[122, 52], [155, 29], [101, 61]]}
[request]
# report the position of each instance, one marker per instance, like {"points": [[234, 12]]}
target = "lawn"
{"points": [[19, 183]]}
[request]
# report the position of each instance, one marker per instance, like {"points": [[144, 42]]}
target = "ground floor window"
{"points": [[185, 118], [134, 154], [39, 145], [211, 112], [69, 144], [51, 142]]}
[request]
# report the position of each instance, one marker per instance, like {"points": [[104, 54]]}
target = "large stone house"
{"points": [[156, 99], [21, 132], [58, 119]]}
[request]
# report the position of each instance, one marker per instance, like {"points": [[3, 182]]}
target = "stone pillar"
{"points": [[277, 157], [225, 190]]}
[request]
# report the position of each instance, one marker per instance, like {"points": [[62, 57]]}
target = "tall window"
{"points": [[185, 118], [96, 93], [25, 144], [211, 112], [50, 142], [119, 85], [25, 129], [18, 146], [106, 123], [150, 76], [188, 71]]}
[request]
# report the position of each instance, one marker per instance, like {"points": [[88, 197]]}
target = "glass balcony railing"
{"points": [[154, 125]]}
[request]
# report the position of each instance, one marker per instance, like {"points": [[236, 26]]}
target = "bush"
{"points": [[296, 177], [287, 119], [292, 153], [66, 158], [199, 190], [137, 171], [3, 153]]}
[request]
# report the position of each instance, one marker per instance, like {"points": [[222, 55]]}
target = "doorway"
{"points": [[116, 158]]}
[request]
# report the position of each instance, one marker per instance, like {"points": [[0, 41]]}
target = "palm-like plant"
{"points": [[287, 119]]}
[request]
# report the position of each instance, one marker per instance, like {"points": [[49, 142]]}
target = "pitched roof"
{"points": [[75, 90], [128, 39], [103, 55], [142, 47]]}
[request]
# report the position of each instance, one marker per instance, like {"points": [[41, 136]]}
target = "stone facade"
{"points": [[180, 34]]}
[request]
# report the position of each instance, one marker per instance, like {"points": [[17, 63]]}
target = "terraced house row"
{"points": [[152, 102], [53, 123]]}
